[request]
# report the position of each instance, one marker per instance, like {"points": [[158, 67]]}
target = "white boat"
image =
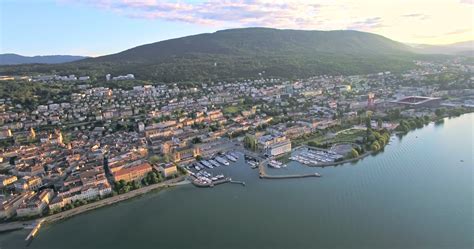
{"points": [[207, 164], [231, 158], [275, 164], [222, 160], [234, 155], [213, 162]]}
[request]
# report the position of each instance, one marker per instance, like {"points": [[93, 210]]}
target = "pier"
{"points": [[264, 175], [35, 230], [290, 176], [237, 182], [214, 183]]}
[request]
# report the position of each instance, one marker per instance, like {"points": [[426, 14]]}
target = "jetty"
{"points": [[237, 182], [214, 183], [35, 230], [290, 176], [264, 175]]}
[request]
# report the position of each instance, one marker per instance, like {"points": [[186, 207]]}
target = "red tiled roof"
{"points": [[140, 167]]}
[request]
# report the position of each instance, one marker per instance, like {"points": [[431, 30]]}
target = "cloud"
{"points": [[419, 16], [296, 14], [367, 24], [458, 31]]}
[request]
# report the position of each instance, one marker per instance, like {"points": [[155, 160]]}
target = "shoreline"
{"points": [[114, 199], [23, 224]]}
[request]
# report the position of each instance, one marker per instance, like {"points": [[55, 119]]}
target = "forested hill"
{"points": [[244, 53]]}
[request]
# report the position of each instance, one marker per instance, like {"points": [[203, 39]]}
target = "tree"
{"points": [[379, 123], [250, 143], [154, 159], [196, 140], [354, 153], [440, 112], [368, 124], [375, 146], [135, 185]]}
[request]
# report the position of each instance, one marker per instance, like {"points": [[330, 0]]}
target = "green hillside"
{"points": [[244, 53]]}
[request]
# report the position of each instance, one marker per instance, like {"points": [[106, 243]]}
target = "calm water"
{"points": [[416, 194]]}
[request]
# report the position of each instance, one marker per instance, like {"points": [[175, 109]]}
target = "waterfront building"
{"points": [[133, 173], [169, 169], [264, 142], [35, 204], [85, 193], [8, 207], [279, 148], [185, 153]]}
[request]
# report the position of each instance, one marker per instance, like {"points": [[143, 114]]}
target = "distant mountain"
{"points": [[459, 48], [15, 59], [247, 53]]}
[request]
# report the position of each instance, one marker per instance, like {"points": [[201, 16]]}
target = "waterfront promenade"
{"points": [[118, 198], [16, 225]]}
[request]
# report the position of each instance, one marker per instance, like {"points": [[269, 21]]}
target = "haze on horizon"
{"points": [[99, 27]]}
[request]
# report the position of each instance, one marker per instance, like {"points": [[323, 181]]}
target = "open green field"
{"points": [[231, 110], [345, 136]]}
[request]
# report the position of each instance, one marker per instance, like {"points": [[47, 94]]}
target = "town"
{"points": [[98, 143]]}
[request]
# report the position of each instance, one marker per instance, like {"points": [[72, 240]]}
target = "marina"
{"points": [[313, 157]]}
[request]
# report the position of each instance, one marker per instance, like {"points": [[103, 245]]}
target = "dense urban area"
{"points": [[71, 141]]}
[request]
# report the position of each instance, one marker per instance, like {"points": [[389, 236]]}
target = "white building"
{"points": [[279, 148]]}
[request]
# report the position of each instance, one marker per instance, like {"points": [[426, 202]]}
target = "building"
{"points": [[28, 183], [6, 180], [85, 193], [169, 169], [133, 173], [418, 101], [35, 205], [8, 207], [279, 148], [264, 142], [185, 153]]}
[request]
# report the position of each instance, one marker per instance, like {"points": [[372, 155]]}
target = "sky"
{"points": [[99, 27]]}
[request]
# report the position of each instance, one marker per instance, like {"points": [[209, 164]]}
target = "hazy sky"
{"points": [[97, 27]]}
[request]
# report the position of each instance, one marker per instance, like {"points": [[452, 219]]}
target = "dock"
{"points": [[264, 175], [237, 182], [214, 183], [35, 230], [290, 176]]}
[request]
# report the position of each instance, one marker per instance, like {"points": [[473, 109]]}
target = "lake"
{"points": [[417, 193]]}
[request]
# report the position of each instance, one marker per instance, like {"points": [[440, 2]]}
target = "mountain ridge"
{"points": [[246, 53], [16, 59]]}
